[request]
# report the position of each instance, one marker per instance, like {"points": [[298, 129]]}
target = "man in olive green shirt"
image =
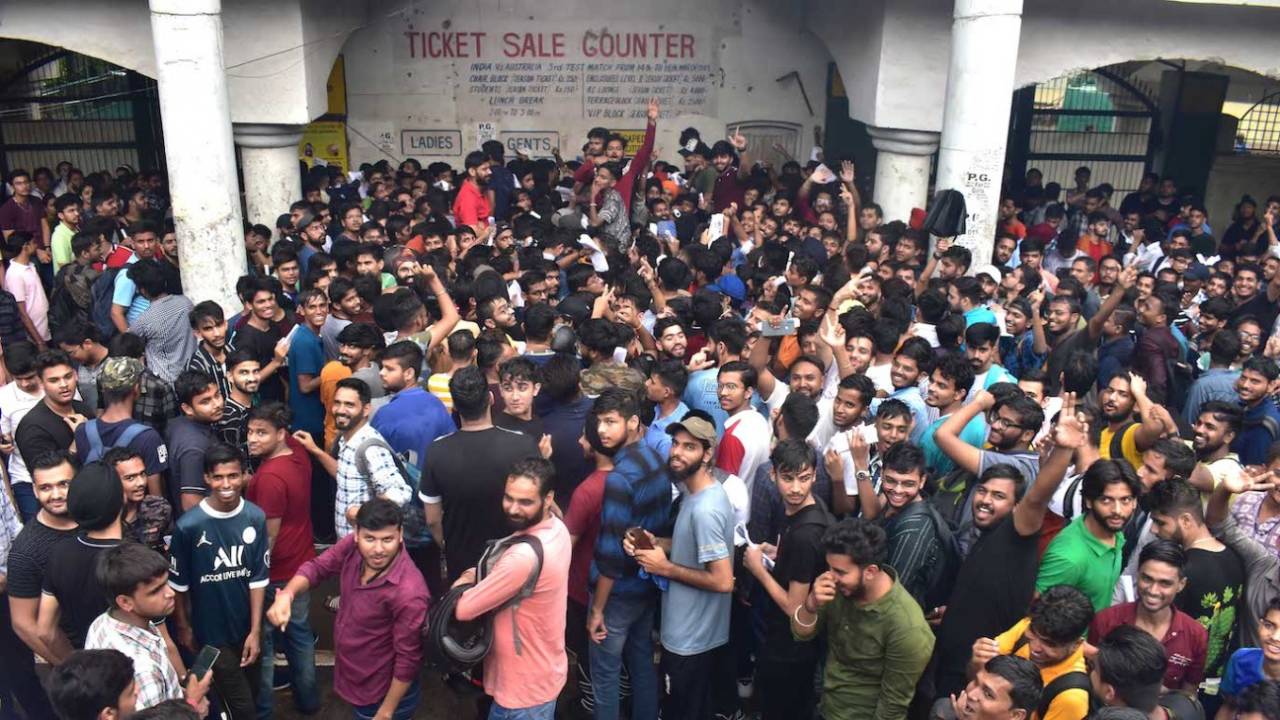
{"points": [[878, 640]]}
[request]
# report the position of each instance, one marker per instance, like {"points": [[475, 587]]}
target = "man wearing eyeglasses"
{"points": [[1013, 420]]}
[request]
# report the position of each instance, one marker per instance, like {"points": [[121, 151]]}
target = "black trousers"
{"points": [[236, 686], [19, 685], [784, 689], [700, 686]]}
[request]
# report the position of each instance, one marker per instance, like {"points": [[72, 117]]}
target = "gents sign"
{"points": [[603, 75]]}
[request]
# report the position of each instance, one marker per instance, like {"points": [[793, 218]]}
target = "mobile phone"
{"points": [[204, 660], [639, 539], [666, 228], [786, 327], [717, 226]]}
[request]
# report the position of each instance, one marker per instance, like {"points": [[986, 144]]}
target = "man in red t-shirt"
{"points": [[282, 488], [471, 207], [615, 147], [583, 522]]}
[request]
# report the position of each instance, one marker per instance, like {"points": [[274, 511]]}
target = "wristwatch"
{"points": [[862, 476]]}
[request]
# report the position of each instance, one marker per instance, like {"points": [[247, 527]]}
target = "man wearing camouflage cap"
{"points": [[119, 385]]}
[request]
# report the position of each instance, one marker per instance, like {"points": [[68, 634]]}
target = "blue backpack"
{"points": [[94, 436], [103, 291]]}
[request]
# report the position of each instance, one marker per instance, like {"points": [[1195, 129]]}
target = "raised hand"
{"points": [[1071, 432], [651, 113], [846, 172], [1137, 385], [738, 140]]}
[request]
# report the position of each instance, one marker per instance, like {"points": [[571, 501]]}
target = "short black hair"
{"points": [[191, 383], [470, 392], [956, 368], [1165, 551], [671, 373], [122, 568], [540, 470], [407, 355], [1132, 662], [206, 310], [1025, 685], [221, 453], [88, 682], [791, 455], [275, 413], [359, 386], [1061, 614], [1261, 697], [1179, 459], [619, 400], [799, 415], [1174, 497], [379, 513], [858, 539], [904, 457], [748, 373]]}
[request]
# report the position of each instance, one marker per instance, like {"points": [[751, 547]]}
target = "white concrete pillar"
{"points": [[201, 157], [975, 123], [903, 158], [269, 163]]}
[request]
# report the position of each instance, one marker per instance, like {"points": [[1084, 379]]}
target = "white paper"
{"points": [[598, 260], [823, 175]]}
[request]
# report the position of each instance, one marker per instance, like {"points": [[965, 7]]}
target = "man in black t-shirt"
{"points": [[466, 473], [996, 581], [71, 598], [262, 333], [28, 557], [50, 425], [784, 667]]}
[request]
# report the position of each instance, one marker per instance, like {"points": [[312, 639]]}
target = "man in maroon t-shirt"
{"points": [[282, 488], [24, 212], [730, 177], [1161, 577]]}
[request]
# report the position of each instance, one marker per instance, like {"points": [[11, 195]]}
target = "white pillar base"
{"points": [[269, 162], [975, 123], [903, 159], [201, 158]]}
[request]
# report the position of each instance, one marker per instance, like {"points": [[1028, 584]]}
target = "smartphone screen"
{"points": [[204, 660]]}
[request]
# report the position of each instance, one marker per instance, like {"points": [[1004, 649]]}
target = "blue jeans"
{"points": [[404, 711], [545, 711], [24, 497], [629, 624], [299, 648]]}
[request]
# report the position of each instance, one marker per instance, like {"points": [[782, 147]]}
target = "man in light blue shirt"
{"points": [[1219, 381], [664, 386], [126, 302]]}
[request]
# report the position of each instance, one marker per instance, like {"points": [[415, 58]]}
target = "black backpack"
{"points": [[104, 288], [452, 645], [1074, 680], [1182, 375]]}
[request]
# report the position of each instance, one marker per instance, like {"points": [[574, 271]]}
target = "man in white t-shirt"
{"points": [[16, 398], [747, 435]]}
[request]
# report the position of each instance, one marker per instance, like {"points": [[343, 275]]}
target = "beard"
{"points": [[518, 523], [683, 474]]}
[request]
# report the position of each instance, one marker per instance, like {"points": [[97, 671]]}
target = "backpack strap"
{"points": [[1272, 427], [1068, 507], [490, 558], [129, 434], [1074, 680], [95, 441], [1117, 441]]}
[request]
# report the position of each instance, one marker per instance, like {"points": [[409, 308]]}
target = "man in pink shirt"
{"points": [[527, 665]]}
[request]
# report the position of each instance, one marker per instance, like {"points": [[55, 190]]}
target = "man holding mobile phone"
{"points": [[136, 578]]}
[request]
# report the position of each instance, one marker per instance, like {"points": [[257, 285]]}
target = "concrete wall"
{"points": [[278, 53], [404, 101], [1235, 175]]}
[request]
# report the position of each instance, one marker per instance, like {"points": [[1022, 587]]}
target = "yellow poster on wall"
{"points": [[324, 142]]}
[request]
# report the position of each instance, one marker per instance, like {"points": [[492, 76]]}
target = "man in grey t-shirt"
{"points": [[699, 574]]}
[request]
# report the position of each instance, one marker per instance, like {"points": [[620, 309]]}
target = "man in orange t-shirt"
{"points": [[1009, 221], [1096, 242]]}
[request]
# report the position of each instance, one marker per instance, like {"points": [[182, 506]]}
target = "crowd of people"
{"points": [[698, 440]]}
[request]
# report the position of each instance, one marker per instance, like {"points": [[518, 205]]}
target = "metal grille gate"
{"points": [[1099, 118], [65, 106]]}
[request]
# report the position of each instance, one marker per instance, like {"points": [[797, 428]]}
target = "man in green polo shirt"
{"points": [[877, 638], [1088, 553]]}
